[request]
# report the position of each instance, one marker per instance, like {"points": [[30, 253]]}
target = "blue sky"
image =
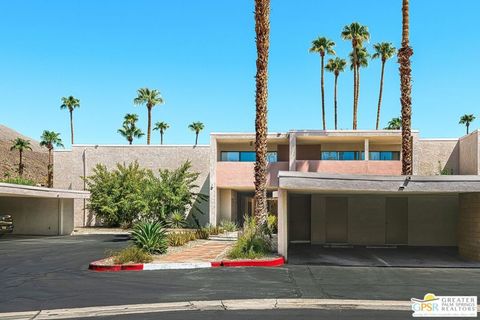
{"points": [[201, 56]]}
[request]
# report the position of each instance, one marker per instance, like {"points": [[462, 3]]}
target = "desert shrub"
{"points": [[202, 233], [118, 196], [252, 244], [177, 239], [18, 180], [130, 254], [229, 226], [214, 230], [271, 224], [174, 191], [176, 220], [150, 237]]}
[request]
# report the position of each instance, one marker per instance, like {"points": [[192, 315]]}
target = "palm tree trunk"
{"points": [[196, 138], [380, 96], [50, 169], [357, 90], [161, 137], [149, 129], [354, 126], [71, 124], [262, 31], [130, 141], [322, 88], [335, 100], [404, 55], [20, 164], [468, 125]]}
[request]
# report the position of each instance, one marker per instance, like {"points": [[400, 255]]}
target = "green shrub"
{"points": [[18, 180], [202, 233], [130, 254], [214, 230], [176, 220], [271, 224], [229, 226], [150, 237], [177, 239], [252, 244]]}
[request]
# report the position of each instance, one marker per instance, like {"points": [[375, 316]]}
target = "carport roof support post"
{"points": [[282, 223]]}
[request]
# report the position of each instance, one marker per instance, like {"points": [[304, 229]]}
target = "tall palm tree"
{"points": [[262, 39], [21, 145], [129, 128], [384, 51], [404, 55], [70, 103], [466, 119], [50, 140], [150, 98], [361, 59], [196, 127], [322, 46], [162, 127], [394, 124], [336, 66], [357, 34]]}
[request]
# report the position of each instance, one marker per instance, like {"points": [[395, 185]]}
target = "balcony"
{"points": [[242, 174], [392, 167]]}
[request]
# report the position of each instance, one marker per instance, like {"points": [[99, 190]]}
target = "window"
{"points": [[342, 155], [245, 156], [384, 155]]}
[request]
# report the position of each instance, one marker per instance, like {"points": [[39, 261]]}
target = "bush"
{"points": [[130, 254], [202, 233], [176, 220], [229, 226], [117, 197], [252, 244], [214, 230], [271, 224], [18, 180], [177, 239], [150, 237]]}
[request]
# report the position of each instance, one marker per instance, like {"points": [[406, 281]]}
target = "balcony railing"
{"points": [[390, 167]]}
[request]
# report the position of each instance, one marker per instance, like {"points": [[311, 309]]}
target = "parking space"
{"points": [[362, 256]]}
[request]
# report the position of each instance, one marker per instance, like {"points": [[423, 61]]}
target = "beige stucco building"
{"points": [[323, 212]]}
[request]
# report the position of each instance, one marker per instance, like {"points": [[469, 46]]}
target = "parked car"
{"points": [[6, 224]]}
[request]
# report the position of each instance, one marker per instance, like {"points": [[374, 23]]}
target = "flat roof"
{"points": [[334, 183], [16, 190]]}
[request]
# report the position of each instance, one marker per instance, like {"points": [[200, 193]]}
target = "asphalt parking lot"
{"points": [[51, 272]]}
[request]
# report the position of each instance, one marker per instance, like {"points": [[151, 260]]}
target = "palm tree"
{"points": [[70, 103], [466, 119], [21, 145], [262, 39], [336, 66], [162, 127], [404, 55], [394, 124], [357, 34], [197, 127], [384, 51], [129, 128], [362, 56], [150, 98], [50, 139], [322, 46]]}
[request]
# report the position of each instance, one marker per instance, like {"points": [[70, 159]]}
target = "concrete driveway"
{"points": [[361, 256]]}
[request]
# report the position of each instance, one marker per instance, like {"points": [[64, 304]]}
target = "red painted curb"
{"points": [[98, 266], [280, 261], [216, 264]]}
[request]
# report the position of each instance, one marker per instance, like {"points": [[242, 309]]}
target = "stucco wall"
{"points": [[38, 216], [469, 226], [436, 155], [80, 161], [470, 153], [432, 219]]}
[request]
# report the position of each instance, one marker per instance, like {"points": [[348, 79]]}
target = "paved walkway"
{"points": [[203, 252]]}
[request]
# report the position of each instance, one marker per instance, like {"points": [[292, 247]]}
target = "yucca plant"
{"points": [[150, 237], [176, 220], [228, 226]]}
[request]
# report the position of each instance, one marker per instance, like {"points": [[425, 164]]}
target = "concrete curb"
{"points": [[99, 265]]}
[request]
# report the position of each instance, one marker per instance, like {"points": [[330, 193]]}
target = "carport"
{"points": [[39, 211], [346, 211]]}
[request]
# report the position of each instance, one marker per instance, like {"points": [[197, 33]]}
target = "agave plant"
{"points": [[176, 220], [150, 237]]}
